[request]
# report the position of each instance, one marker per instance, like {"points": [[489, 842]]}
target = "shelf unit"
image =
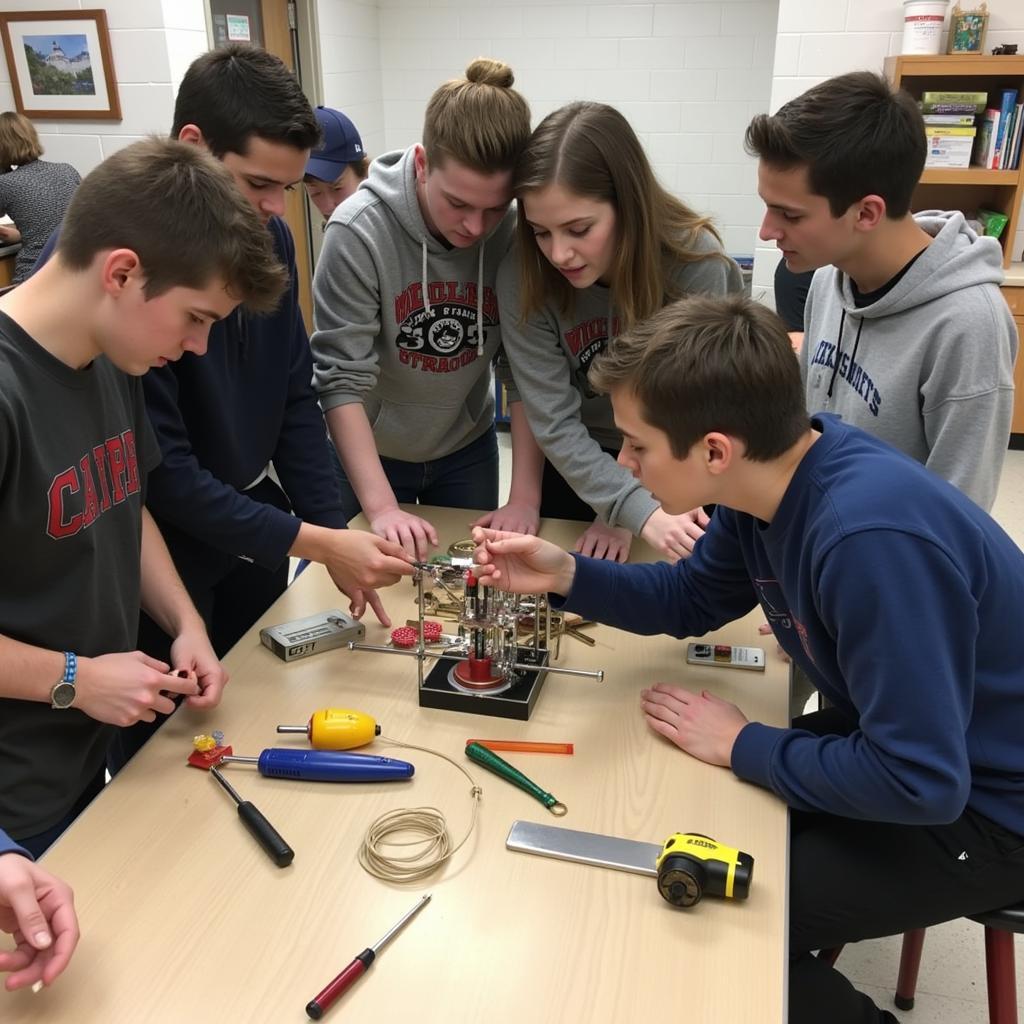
{"points": [[968, 188]]}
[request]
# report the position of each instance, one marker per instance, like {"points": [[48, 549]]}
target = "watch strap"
{"points": [[62, 695]]}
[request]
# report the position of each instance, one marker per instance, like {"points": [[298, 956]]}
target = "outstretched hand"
{"points": [[38, 909], [513, 517], [521, 564], [702, 724], [600, 540]]}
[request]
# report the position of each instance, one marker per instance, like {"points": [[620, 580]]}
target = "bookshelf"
{"points": [[971, 187]]}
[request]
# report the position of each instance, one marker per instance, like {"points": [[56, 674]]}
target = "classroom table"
{"points": [[7, 258], [185, 919]]}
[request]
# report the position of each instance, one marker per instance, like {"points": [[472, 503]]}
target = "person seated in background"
{"points": [[907, 794], [338, 166], [38, 909], [35, 194]]}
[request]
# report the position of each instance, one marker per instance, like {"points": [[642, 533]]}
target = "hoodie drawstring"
{"points": [[480, 302], [423, 275], [839, 350]]}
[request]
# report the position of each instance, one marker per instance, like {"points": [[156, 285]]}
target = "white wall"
{"points": [[350, 59], [689, 76], [153, 41], [821, 38]]}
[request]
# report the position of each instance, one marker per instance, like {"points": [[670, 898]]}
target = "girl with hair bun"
{"points": [[601, 245], [407, 319]]}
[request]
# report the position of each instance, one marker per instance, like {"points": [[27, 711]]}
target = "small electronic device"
{"points": [[302, 637], [726, 656]]}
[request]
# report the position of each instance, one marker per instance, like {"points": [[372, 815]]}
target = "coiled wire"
{"points": [[423, 831]]}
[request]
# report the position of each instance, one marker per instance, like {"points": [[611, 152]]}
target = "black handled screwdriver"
{"points": [[266, 835]]}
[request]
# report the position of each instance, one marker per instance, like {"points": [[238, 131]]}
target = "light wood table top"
{"points": [[185, 919]]}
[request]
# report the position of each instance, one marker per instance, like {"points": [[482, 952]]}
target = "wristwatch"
{"points": [[63, 693]]}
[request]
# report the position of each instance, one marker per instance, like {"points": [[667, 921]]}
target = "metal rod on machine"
{"points": [[354, 646]]}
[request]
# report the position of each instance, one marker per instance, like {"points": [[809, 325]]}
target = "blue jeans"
{"points": [[467, 478]]}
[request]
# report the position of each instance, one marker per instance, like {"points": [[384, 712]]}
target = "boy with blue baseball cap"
{"points": [[336, 169]]}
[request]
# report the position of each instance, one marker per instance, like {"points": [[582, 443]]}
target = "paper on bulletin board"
{"points": [[238, 28]]}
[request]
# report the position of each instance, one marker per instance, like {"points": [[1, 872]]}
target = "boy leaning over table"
{"points": [[896, 593], [156, 246]]}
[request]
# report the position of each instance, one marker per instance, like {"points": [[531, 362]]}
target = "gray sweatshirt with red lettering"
{"points": [[550, 353], [403, 323]]}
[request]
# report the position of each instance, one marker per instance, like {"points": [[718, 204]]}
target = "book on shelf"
{"points": [[951, 102], [985, 143], [1013, 160], [949, 151], [1007, 113], [949, 120]]}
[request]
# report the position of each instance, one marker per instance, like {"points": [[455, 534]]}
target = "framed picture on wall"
{"points": [[967, 30], [60, 64]]}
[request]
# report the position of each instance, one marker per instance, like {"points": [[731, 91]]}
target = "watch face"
{"points": [[62, 695]]}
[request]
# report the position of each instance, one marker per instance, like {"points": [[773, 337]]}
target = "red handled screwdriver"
{"points": [[323, 1001]]}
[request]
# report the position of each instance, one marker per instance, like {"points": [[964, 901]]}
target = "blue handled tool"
{"points": [[326, 765]]}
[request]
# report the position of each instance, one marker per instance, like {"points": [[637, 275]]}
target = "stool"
{"points": [[1000, 927]]}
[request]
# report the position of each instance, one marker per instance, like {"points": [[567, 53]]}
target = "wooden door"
{"points": [[273, 25]]}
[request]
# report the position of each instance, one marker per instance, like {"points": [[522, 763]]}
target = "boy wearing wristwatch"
{"points": [[156, 245]]}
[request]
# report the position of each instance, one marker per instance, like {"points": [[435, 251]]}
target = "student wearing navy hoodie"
{"points": [[222, 420], [907, 794]]}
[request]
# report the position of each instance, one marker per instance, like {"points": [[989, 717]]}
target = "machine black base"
{"points": [[516, 702]]}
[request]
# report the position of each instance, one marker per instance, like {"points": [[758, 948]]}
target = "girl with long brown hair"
{"points": [[601, 246]]}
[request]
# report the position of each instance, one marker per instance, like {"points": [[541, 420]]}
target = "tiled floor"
{"points": [[951, 987]]}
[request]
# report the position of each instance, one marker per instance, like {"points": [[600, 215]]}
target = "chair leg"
{"points": [[1002, 982], [830, 956], [910, 964]]}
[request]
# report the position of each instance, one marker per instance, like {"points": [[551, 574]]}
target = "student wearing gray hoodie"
{"points": [[907, 334], [406, 317], [601, 246]]}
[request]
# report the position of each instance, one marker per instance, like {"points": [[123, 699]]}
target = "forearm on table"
{"points": [[353, 437]]}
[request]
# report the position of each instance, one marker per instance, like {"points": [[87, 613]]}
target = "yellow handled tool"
{"points": [[691, 865], [336, 729]]}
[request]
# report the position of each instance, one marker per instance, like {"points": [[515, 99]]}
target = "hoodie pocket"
{"points": [[420, 433]]}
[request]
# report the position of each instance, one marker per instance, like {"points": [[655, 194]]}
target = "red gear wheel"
{"points": [[404, 636]]}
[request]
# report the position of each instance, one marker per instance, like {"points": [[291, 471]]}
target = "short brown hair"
{"points": [[711, 364], [592, 151], [178, 210], [480, 120], [238, 91], [856, 135], [19, 143]]}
